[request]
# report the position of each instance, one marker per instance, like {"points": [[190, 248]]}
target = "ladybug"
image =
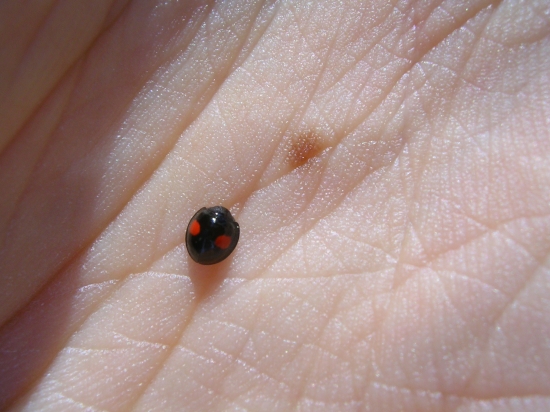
{"points": [[212, 235]]}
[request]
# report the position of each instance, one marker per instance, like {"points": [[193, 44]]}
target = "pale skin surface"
{"points": [[401, 265]]}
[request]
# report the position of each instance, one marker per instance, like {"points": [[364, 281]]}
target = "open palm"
{"points": [[388, 164]]}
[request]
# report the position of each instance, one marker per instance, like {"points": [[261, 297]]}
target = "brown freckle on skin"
{"points": [[303, 147]]}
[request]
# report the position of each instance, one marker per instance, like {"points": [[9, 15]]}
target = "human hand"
{"points": [[388, 164]]}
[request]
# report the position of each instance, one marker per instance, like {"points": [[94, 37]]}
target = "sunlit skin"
{"points": [[389, 167]]}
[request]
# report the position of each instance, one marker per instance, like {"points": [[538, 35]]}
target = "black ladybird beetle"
{"points": [[212, 234]]}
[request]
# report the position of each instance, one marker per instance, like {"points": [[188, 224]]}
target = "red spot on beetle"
{"points": [[195, 228], [222, 241]]}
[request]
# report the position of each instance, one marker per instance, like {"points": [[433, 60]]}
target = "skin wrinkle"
{"points": [[295, 240], [470, 52], [473, 279], [482, 403], [301, 394], [323, 331], [209, 56], [328, 246], [311, 226], [535, 255], [306, 387], [447, 300], [120, 382], [486, 13], [375, 41], [38, 27], [438, 267], [72, 401], [386, 318], [232, 358], [161, 362], [239, 361], [77, 328], [95, 285], [158, 234], [250, 339], [345, 275], [55, 84], [438, 361], [213, 388], [409, 390], [189, 162], [386, 253], [517, 45], [417, 58], [379, 42], [272, 6], [234, 151], [449, 394], [288, 296], [484, 230], [249, 48], [464, 128], [77, 350], [507, 235], [484, 349], [323, 350], [47, 147], [323, 62], [456, 314], [92, 309], [302, 387], [343, 264], [393, 309], [304, 258], [491, 231], [41, 154], [123, 338], [427, 152], [501, 313]]}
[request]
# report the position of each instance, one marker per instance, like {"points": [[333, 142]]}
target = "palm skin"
{"points": [[388, 164]]}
